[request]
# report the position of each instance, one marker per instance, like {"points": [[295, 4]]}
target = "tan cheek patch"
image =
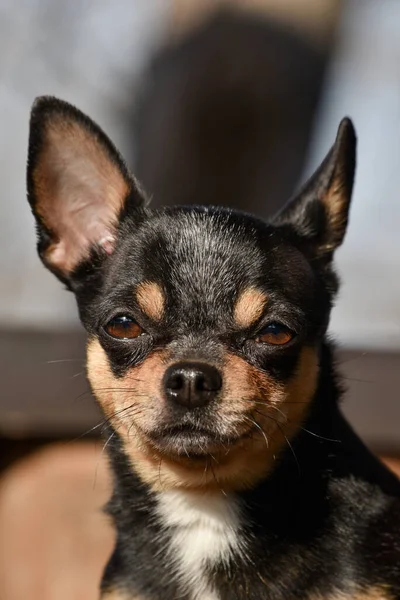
{"points": [[100, 375], [151, 299], [245, 385], [249, 307], [132, 398]]}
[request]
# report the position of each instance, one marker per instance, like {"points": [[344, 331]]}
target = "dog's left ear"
{"points": [[78, 186], [319, 213]]}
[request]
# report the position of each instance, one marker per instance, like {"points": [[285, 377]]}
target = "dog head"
{"points": [[204, 324]]}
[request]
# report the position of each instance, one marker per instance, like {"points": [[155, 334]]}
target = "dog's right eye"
{"points": [[123, 328], [275, 334]]}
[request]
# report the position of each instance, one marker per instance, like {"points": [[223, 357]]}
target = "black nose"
{"points": [[192, 384]]}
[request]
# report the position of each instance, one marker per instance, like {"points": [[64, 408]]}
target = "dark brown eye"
{"points": [[123, 328], [275, 334]]}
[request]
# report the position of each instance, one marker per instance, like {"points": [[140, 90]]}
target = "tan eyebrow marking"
{"points": [[249, 307], [151, 299]]}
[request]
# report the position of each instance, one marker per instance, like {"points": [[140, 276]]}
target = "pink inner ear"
{"points": [[77, 236], [80, 193]]}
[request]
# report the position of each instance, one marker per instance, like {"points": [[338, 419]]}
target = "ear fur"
{"points": [[78, 185], [319, 213]]}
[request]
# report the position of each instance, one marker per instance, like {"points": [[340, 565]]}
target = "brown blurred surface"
{"points": [[55, 540]]}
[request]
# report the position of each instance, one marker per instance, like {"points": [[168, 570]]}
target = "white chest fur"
{"points": [[204, 529]]}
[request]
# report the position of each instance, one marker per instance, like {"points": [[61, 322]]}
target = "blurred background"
{"points": [[214, 102]]}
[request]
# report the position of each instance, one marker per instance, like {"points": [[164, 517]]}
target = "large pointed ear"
{"points": [[78, 185], [319, 213]]}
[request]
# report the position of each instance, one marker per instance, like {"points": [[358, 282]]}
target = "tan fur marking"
{"points": [[75, 180], [151, 300], [373, 593], [249, 307], [136, 389], [134, 406]]}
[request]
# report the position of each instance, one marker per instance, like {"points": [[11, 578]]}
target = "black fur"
{"points": [[328, 516]]}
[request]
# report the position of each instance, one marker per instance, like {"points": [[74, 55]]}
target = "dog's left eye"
{"points": [[123, 328], [275, 334]]}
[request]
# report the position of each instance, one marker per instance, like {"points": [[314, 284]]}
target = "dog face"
{"points": [[204, 324]]}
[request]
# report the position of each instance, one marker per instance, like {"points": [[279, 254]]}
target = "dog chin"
{"points": [[191, 443]]}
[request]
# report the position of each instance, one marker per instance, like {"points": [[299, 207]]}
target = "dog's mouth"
{"points": [[190, 441]]}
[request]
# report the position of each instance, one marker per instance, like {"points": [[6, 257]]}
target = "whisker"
{"points": [[291, 448], [265, 402], [64, 360], [290, 421], [359, 380], [353, 358], [286, 438], [215, 478], [258, 427], [214, 459], [82, 435], [205, 472], [120, 390], [99, 459], [296, 402], [104, 422], [159, 473], [279, 411], [114, 389], [321, 437], [77, 374]]}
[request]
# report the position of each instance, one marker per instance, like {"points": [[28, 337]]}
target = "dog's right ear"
{"points": [[78, 186], [319, 213]]}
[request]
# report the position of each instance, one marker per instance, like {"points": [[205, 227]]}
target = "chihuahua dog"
{"points": [[235, 474]]}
